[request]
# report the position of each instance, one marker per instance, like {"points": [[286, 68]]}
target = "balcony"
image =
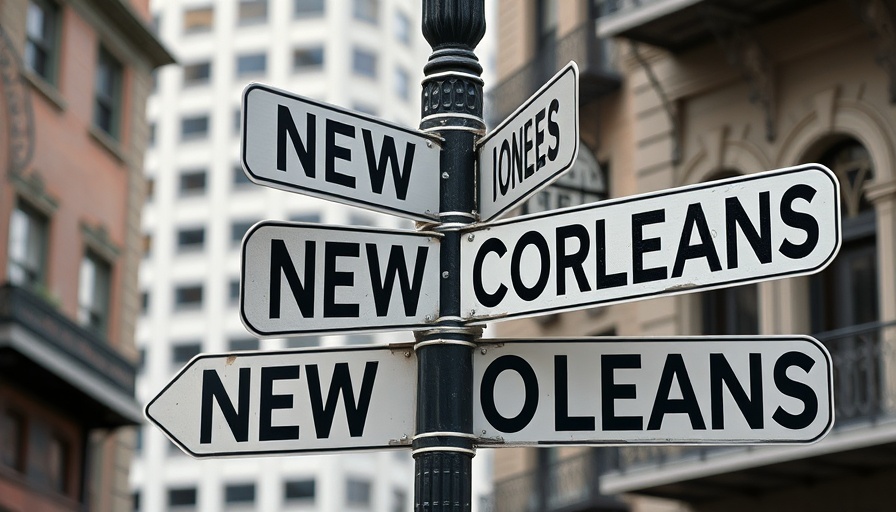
{"points": [[49, 356], [567, 485], [862, 441], [597, 76], [677, 25]]}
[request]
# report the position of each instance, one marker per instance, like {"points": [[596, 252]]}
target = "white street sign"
{"points": [[751, 228], [532, 147], [317, 279], [270, 403], [301, 145], [605, 391]]}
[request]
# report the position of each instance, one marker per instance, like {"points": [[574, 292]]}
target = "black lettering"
{"points": [[519, 158], [334, 151], [674, 369], [640, 245], [270, 401], [795, 389], [213, 391], [554, 129], [341, 384], [539, 140], [388, 154], [333, 278], [530, 168], [721, 374], [563, 422], [496, 246], [282, 263], [604, 280], [574, 261], [610, 392], [704, 249], [530, 393], [536, 239], [761, 242], [396, 266], [799, 220], [287, 126], [505, 184]]}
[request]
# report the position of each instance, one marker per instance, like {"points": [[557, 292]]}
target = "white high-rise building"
{"points": [[364, 55]]}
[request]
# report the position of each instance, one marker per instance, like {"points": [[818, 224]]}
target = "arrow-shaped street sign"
{"points": [[532, 147], [299, 401], [550, 391]]}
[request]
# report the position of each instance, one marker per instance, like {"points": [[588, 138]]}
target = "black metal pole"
{"points": [[443, 446]]}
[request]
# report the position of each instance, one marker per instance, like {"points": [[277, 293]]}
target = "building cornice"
{"points": [[134, 30]]}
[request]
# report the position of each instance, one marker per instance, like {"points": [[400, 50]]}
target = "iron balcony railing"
{"points": [[597, 72], [678, 25], [864, 360], [567, 485]]}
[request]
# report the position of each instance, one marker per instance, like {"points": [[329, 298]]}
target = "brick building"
{"points": [[74, 78]]}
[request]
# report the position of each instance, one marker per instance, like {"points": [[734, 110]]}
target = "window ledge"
{"points": [[107, 142], [46, 89]]}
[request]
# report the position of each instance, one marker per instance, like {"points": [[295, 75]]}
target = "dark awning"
{"points": [[49, 356]]}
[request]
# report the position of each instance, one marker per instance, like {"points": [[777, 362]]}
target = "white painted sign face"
{"points": [[532, 147], [310, 278], [301, 145], [270, 403], [770, 225], [604, 391]]}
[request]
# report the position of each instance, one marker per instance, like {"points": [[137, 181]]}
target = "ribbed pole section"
{"points": [[452, 109]]}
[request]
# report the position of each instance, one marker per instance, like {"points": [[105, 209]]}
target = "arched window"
{"points": [[845, 293], [844, 296], [733, 310]]}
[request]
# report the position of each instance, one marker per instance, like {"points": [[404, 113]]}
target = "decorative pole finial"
{"points": [[453, 28], [453, 23]]}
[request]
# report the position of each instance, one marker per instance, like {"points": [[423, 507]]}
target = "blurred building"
{"points": [[74, 78], [362, 55], [688, 92]]}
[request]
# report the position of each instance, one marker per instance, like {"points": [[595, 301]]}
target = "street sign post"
{"points": [[608, 390], [300, 145], [532, 147], [453, 391], [287, 402], [310, 279], [769, 225]]}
